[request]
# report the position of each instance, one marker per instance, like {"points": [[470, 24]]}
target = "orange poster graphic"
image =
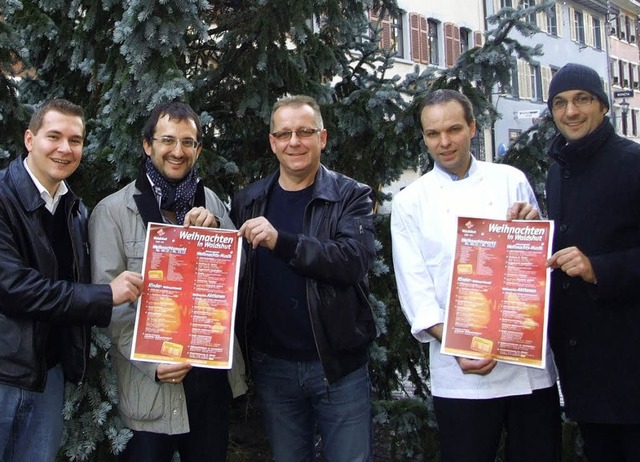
{"points": [[186, 312], [499, 297]]}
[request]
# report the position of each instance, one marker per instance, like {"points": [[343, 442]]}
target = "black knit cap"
{"points": [[577, 77]]}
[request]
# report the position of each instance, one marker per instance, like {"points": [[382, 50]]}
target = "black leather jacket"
{"points": [[335, 251], [31, 297]]}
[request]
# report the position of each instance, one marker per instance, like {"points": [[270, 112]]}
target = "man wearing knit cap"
{"points": [[593, 192]]}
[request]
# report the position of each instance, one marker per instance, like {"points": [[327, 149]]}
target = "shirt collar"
{"points": [[50, 203], [472, 169]]}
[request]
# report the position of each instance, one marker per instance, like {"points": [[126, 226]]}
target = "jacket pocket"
{"points": [[140, 397], [346, 316]]}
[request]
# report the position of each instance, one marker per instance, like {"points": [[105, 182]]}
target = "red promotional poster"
{"points": [[499, 297], [186, 311]]}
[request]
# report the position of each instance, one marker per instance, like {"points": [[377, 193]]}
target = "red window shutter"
{"points": [[477, 38], [386, 33], [419, 42], [414, 24], [456, 44], [449, 44], [424, 41]]}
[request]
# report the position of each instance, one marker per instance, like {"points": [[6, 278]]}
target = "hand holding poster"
{"points": [[186, 311], [499, 297]]}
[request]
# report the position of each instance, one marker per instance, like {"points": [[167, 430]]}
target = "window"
{"points": [[526, 4], [632, 31], [465, 36], [577, 26], [551, 17], [627, 27], [397, 42], [390, 33], [615, 71], [432, 27], [529, 81], [597, 34], [624, 74]]}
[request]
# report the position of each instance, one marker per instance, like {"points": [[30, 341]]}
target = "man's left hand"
{"points": [[574, 263], [200, 216]]}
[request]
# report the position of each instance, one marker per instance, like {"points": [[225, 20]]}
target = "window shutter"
{"points": [[477, 38], [559, 20], [546, 80], [424, 40], [574, 25], [588, 30], [418, 26], [541, 21], [524, 79], [450, 46], [414, 24], [385, 24]]}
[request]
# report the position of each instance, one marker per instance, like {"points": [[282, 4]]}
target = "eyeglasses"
{"points": [[285, 135], [170, 142], [560, 104]]}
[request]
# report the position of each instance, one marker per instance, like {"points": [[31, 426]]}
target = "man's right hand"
{"points": [[126, 287], [468, 366], [172, 373]]}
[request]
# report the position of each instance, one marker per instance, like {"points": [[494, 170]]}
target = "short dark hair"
{"points": [[60, 105], [443, 96], [175, 110], [297, 100]]}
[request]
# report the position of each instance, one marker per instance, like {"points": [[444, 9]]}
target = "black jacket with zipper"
{"points": [[32, 299], [334, 252]]}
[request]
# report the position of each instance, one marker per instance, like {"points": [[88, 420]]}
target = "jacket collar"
{"points": [[583, 149], [27, 192], [147, 202], [325, 186]]}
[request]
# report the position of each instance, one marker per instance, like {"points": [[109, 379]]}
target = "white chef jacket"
{"points": [[423, 228]]}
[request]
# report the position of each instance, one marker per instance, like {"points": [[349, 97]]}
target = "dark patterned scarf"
{"points": [[175, 196]]}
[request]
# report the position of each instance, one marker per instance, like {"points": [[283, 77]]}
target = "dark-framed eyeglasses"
{"points": [[170, 142], [285, 135], [560, 104]]}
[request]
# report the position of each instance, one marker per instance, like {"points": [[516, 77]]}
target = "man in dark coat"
{"points": [[593, 192]]}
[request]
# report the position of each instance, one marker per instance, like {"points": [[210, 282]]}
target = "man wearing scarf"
{"points": [[169, 407]]}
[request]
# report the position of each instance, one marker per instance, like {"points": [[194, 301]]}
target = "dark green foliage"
{"points": [[529, 153]]}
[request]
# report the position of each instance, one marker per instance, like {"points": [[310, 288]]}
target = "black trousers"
{"points": [[470, 429], [611, 442], [208, 396]]}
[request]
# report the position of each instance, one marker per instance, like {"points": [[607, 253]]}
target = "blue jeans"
{"points": [[295, 397], [31, 422]]}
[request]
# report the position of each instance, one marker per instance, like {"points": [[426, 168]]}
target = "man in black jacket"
{"points": [[593, 190], [46, 303], [309, 244]]}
